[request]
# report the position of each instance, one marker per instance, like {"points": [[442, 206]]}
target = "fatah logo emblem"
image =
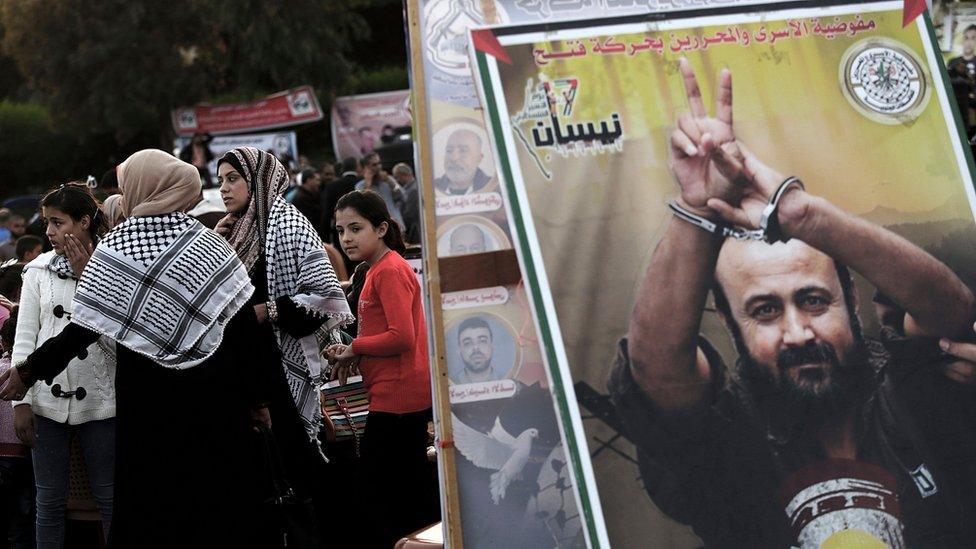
{"points": [[885, 81]]}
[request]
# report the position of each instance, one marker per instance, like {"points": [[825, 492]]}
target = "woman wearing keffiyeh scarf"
{"points": [[171, 294], [296, 290]]}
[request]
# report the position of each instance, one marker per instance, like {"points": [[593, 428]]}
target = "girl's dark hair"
{"points": [[77, 200], [372, 206]]}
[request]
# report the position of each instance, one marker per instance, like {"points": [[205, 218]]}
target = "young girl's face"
{"points": [[234, 189], [359, 238], [60, 224]]}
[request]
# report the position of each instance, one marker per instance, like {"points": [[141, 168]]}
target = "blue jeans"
{"points": [[51, 452]]}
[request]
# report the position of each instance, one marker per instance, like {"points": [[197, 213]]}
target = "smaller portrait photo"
{"points": [[481, 347], [462, 158], [470, 234]]}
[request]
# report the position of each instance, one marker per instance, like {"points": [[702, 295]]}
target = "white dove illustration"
{"points": [[507, 458]]}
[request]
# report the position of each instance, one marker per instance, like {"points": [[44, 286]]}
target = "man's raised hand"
{"points": [[696, 138]]}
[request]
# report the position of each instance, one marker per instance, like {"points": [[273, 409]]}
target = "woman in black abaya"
{"points": [[172, 295]]}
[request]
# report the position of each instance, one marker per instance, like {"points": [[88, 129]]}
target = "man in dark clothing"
{"points": [[463, 154], [813, 436], [410, 210], [308, 200], [198, 153], [352, 172]]}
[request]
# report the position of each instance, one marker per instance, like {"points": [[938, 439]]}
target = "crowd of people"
{"points": [[184, 348], [316, 192]]}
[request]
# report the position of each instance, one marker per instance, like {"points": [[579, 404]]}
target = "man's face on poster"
{"points": [[969, 42], [467, 239], [788, 306], [462, 155], [282, 146], [475, 348], [367, 139]]}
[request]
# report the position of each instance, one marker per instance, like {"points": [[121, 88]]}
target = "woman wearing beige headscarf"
{"points": [[112, 208], [171, 294]]}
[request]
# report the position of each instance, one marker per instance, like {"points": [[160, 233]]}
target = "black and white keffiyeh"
{"points": [[299, 268], [60, 266], [163, 286]]}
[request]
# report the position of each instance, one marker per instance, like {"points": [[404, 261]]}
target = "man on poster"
{"points": [[476, 349], [468, 239], [809, 437], [462, 157]]}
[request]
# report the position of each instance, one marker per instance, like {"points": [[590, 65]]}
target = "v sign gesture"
{"points": [[696, 138]]}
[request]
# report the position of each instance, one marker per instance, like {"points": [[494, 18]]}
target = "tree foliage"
{"points": [[116, 68]]}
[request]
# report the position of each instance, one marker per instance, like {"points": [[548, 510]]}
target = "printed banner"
{"points": [[287, 108], [360, 122], [760, 361], [553, 507], [284, 145]]}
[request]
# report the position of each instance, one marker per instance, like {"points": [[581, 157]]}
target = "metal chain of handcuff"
{"points": [[769, 229]]}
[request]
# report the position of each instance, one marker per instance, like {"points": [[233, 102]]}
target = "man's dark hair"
{"points": [[27, 243], [472, 323], [305, 175], [349, 164], [969, 28], [370, 156]]}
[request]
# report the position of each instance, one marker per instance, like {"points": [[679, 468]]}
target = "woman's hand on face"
{"points": [[77, 253], [261, 310], [225, 225]]}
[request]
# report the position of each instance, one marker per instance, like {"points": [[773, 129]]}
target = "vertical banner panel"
{"points": [[819, 408]]}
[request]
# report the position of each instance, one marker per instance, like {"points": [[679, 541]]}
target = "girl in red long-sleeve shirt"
{"points": [[391, 352]]}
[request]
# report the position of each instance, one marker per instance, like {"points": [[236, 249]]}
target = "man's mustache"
{"points": [[811, 353]]}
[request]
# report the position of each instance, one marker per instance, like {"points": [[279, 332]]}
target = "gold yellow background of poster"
{"points": [[598, 218]]}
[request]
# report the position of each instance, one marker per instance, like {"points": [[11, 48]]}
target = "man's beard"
{"points": [[819, 396], [458, 174], [475, 369]]}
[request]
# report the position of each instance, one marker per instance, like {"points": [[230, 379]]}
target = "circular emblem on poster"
{"points": [[885, 81]]}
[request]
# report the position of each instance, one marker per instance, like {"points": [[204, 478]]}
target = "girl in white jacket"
{"points": [[81, 400]]}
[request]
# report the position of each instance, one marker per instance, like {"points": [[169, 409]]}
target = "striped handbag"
{"points": [[347, 406]]}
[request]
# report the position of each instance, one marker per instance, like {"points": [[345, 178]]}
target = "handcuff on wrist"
{"points": [[769, 228]]}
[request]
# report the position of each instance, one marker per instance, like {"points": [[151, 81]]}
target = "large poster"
{"points": [[360, 122], [468, 224], [747, 240]]}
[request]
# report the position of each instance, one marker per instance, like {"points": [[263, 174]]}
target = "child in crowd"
{"points": [[80, 400], [391, 353]]}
